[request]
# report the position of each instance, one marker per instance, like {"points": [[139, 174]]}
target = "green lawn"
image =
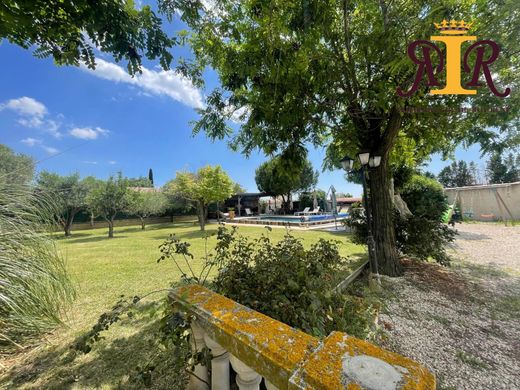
{"points": [[104, 269]]}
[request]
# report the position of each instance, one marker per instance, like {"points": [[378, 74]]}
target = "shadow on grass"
{"points": [[112, 363], [96, 238]]}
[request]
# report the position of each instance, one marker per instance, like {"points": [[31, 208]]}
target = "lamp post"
{"points": [[367, 161]]}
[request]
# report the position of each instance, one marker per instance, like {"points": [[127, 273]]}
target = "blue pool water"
{"points": [[299, 219]]}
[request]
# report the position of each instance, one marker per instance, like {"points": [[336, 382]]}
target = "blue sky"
{"points": [[99, 122]]}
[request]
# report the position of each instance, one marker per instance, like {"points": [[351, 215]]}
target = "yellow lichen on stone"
{"points": [[325, 368], [291, 359], [270, 347]]}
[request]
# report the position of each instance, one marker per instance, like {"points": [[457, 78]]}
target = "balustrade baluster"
{"points": [[247, 378], [219, 365], [200, 370]]}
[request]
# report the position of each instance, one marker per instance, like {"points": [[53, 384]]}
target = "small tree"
{"points": [[278, 177], [145, 204], [209, 184], [69, 194], [110, 198], [91, 183], [150, 176]]}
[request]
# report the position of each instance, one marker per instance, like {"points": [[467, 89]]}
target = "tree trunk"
{"points": [[92, 219], [143, 223], [67, 224], [110, 227], [382, 207], [201, 216]]}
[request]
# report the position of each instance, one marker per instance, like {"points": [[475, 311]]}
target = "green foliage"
{"points": [[425, 197], [289, 283], [280, 177], [145, 204], [307, 199], [326, 73], [503, 171], [209, 184], [70, 31], [140, 181], [422, 235], [458, 174], [15, 168], [150, 176], [34, 287], [69, 194], [109, 198]]}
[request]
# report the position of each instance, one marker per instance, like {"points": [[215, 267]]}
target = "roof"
{"points": [[348, 200], [144, 189]]}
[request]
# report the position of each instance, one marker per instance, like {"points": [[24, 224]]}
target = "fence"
{"points": [[131, 222]]}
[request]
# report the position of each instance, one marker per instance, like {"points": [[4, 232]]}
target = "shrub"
{"points": [[290, 283], [423, 235]]}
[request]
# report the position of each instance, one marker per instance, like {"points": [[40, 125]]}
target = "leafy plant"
{"points": [[283, 280], [422, 235], [34, 286]]}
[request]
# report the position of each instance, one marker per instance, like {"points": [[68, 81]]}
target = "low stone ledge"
{"points": [[292, 359]]}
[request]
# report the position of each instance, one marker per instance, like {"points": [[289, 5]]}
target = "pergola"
{"points": [[245, 200]]}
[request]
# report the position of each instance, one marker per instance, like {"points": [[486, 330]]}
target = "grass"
{"points": [[102, 270]]}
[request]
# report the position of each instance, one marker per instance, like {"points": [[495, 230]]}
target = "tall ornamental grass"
{"points": [[34, 287]]}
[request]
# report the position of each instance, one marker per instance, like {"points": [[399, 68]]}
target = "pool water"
{"points": [[300, 218]]}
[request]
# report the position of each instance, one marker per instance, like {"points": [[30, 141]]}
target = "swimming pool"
{"points": [[294, 220]]}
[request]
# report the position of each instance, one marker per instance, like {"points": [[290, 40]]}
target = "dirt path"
{"points": [[462, 322]]}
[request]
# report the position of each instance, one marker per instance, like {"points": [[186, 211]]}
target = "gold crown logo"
{"points": [[453, 27]]}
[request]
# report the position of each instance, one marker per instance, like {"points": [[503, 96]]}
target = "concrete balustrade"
{"points": [[258, 346]]}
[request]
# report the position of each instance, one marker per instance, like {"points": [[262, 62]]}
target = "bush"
{"points": [[290, 283], [423, 235]]}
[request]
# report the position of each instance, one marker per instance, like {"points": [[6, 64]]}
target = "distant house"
{"points": [[144, 189]]}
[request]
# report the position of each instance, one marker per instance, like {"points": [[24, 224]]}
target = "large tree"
{"points": [[110, 198], [458, 174], [278, 178], [326, 72], [501, 170], [145, 204], [69, 194], [15, 168], [208, 184]]}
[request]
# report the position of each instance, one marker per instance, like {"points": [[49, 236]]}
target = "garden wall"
{"points": [[487, 202]]}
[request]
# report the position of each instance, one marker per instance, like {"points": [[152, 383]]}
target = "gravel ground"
{"points": [[462, 322]]}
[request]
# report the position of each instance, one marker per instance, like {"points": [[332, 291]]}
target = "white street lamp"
{"points": [[364, 157]]}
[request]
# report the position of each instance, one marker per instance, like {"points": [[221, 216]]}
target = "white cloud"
{"points": [[25, 106], [50, 149], [112, 162], [168, 83], [32, 114], [31, 141], [88, 132], [90, 162]]}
